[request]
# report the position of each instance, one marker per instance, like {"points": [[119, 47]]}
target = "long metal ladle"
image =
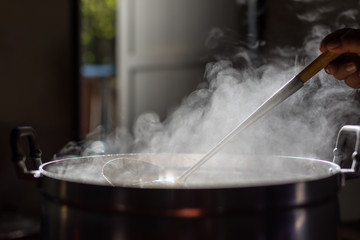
{"points": [[279, 96]]}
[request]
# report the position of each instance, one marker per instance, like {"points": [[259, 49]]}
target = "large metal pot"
{"points": [[230, 197]]}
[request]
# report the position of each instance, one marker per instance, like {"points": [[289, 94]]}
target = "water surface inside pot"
{"points": [[162, 170]]}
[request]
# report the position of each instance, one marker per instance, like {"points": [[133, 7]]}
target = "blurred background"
{"points": [[72, 68]]}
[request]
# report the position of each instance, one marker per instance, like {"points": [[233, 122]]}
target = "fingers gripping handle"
{"points": [[18, 155]]}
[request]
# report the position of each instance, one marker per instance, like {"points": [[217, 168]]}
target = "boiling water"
{"points": [[162, 170]]}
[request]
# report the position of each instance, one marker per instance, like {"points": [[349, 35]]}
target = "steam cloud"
{"points": [[303, 125]]}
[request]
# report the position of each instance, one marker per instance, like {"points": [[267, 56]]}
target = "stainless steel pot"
{"points": [[230, 197]]}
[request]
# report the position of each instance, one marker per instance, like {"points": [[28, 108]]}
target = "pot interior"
{"points": [[162, 170]]}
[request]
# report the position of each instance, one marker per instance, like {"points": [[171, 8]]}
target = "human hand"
{"points": [[347, 66]]}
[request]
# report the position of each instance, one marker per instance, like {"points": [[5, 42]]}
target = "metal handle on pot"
{"points": [[18, 155], [343, 137]]}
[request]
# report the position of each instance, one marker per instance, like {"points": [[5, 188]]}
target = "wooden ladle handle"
{"points": [[315, 66]]}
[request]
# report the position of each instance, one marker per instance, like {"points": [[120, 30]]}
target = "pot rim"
{"points": [[331, 167]]}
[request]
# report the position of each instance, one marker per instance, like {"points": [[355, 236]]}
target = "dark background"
{"points": [[38, 73]]}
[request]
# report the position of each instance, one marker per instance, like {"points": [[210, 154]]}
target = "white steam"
{"points": [[303, 125]]}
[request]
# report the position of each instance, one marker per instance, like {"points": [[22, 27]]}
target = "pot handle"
{"points": [[18, 154], [344, 135]]}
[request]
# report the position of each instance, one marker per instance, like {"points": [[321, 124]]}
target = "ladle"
{"points": [[279, 96]]}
